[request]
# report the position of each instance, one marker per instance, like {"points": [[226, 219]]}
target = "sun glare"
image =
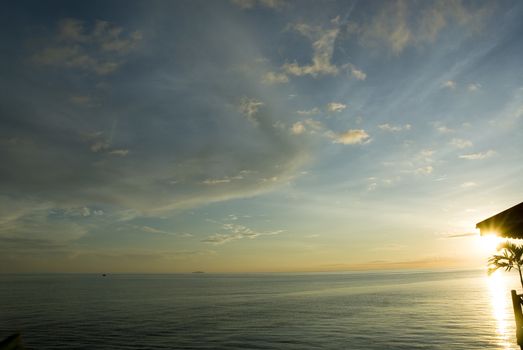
{"points": [[500, 308], [489, 243]]}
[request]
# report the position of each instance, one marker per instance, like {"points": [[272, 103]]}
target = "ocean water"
{"points": [[392, 310]]}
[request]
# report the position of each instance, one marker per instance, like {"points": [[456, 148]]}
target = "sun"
{"points": [[488, 243]]}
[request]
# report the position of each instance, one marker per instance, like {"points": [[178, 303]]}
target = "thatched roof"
{"points": [[508, 223]]}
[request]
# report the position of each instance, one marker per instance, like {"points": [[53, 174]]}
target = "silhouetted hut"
{"points": [[508, 223]]}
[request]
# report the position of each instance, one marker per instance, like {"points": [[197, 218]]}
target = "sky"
{"points": [[256, 135]]}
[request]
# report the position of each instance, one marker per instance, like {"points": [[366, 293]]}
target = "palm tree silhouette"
{"points": [[511, 257]]}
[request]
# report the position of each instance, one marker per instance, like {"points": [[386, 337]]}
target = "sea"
{"points": [[351, 310]]}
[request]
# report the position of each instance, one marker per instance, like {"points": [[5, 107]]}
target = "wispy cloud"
{"points": [[97, 140], [391, 26], [298, 128], [153, 230], [478, 155], [474, 87], [323, 41], [314, 127], [275, 78], [394, 128], [308, 125], [323, 47], [461, 143], [336, 107], [351, 137], [119, 152], [100, 143], [227, 179], [354, 71], [442, 128], [312, 111], [426, 170], [99, 48], [234, 232]]}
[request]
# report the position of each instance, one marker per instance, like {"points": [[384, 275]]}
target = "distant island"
{"points": [[198, 272]]}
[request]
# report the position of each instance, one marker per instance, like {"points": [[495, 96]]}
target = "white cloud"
{"points": [[275, 78], [235, 232], [474, 87], [119, 152], [426, 170], [442, 128], [478, 156], [468, 184], [336, 107], [461, 143], [355, 72], [394, 128], [449, 84], [445, 129], [310, 125], [298, 128], [358, 73], [350, 137]]}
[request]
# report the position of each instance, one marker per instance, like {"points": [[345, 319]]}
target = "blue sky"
{"points": [[256, 135]]}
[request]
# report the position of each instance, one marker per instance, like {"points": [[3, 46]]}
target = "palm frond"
{"points": [[510, 257]]}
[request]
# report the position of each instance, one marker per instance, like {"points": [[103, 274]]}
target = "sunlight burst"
{"points": [[489, 243]]}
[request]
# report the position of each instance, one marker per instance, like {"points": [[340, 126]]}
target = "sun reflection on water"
{"points": [[501, 309]]}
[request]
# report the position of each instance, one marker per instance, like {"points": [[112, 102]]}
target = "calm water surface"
{"points": [[408, 310]]}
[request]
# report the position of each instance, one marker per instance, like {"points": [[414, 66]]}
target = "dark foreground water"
{"points": [[422, 310]]}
